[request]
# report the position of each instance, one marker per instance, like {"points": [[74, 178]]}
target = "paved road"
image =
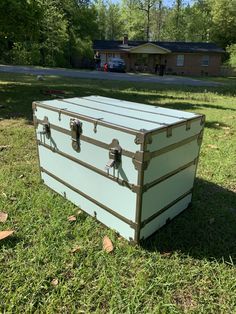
{"points": [[131, 77]]}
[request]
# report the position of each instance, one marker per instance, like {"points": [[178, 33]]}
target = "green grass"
{"points": [[186, 267]]}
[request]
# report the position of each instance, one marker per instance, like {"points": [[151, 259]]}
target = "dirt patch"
{"points": [[184, 300]]}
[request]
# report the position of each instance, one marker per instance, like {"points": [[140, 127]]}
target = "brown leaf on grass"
{"points": [[2, 147], [166, 254], [3, 216], [71, 218], [212, 146], [5, 234], [107, 244], [54, 282], [76, 249]]}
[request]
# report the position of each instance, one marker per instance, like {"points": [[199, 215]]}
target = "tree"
{"points": [[53, 34], [146, 6], [223, 29], [197, 21], [114, 24], [132, 20], [232, 55], [101, 19], [159, 18], [174, 25]]}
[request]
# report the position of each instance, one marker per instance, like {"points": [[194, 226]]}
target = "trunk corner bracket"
{"points": [[145, 136], [141, 159]]}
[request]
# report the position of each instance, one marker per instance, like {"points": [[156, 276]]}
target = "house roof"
{"points": [[188, 47]]}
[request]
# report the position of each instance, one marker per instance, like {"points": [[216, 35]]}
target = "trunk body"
{"points": [[130, 165]]}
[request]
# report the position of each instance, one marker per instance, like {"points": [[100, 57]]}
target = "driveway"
{"points": [[130, 77]]}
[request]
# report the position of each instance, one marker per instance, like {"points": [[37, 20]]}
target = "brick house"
{"points": [[179, 58]]}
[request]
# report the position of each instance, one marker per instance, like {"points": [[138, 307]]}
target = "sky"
{"points": [[170, 2], [167, 3]]}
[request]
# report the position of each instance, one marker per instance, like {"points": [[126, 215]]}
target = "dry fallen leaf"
{"points": [[2, 147], [212, 146], [3, 216], [166, 254], [71, 218], [76, 249], [54, 282], [5, 234], [107, 245]]}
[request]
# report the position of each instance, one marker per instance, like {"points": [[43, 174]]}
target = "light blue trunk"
{"points": [[149, 178]]}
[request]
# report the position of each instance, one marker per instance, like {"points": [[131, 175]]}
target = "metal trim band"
{"points": [[140, 156], [142, 164], [136, 109], [87, 118], [150, 185], [144, 157], [171, 147], [139, 199], [109, 210], [110, 112], [151, 218], [177, 124], [132, 187], [87, 139]]}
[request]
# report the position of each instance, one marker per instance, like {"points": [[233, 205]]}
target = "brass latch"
{"points": [[76, 131], [114, 155]]}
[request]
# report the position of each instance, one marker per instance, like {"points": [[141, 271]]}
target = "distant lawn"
{"points": [[186, 267], [230, 80]]}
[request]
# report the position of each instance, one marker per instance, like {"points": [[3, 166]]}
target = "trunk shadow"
{"points": [[207, 230]]}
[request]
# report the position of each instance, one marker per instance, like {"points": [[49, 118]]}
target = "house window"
{"points": [[205, 61], [180, 60]]}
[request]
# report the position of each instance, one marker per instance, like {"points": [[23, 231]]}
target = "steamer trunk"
{"points": [[130, 165]]}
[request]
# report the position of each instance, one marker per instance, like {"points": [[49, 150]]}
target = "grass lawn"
{"points": [[189, 266]]}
